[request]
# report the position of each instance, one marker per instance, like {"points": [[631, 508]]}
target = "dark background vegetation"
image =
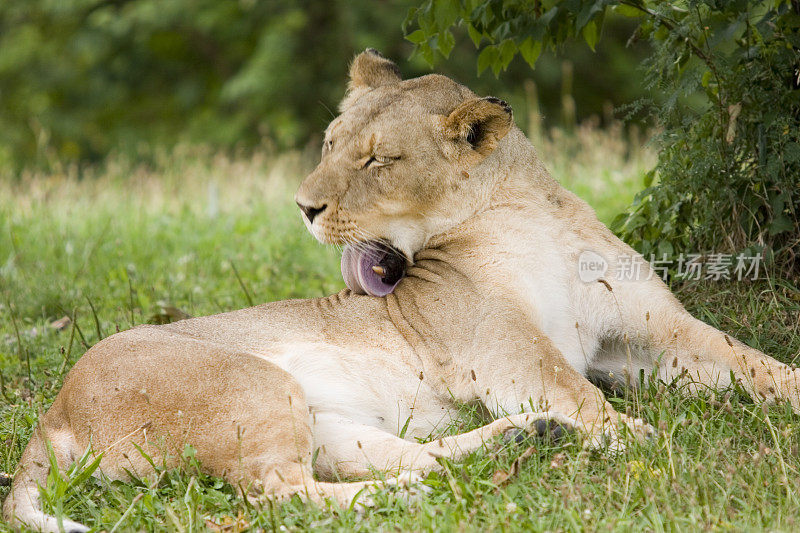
{"points": [[82, 78]]}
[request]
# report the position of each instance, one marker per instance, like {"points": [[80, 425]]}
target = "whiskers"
{"points": [[361, 239], [363, 246], [352, 235]]}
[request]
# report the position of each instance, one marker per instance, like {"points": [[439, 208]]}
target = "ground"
{"points": [[199, 234]]}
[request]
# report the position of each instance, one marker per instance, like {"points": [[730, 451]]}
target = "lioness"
{"points": [[462, 265]]}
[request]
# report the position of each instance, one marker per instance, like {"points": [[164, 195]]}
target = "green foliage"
{"points": [[504, 28], [728, 173], [81, 78], [729, 167]]}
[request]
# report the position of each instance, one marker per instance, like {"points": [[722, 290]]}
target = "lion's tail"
{"points": [[23, 508]]}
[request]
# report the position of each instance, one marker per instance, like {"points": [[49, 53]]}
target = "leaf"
{"points": [[558, 460], [402, 434], [427, 52], [665, 248], [636, 221], [61, 323], [227, 523], [704, 81], [475, 35], [778, 203], [588, 12], [446, 43], [501, 477], [412, 14], [780, 224], [618, 222], [649, 176], [144, 455], [167, 314], [548, 16], [530, 51], [628, 11], [502, 32], [591, 34], [446, 12], [87, 472], [487, 58], [791, 152], [508, 49], [416, 37]]}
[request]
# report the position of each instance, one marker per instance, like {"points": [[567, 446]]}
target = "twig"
{"points": [[20, 349], [242, 285], [127, 511], [3, 388], [96, 320]]}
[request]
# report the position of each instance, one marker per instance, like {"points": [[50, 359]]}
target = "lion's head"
{"points": [[397, 164]]}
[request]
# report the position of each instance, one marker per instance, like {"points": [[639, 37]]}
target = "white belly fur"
{"points": [[366, 387]]}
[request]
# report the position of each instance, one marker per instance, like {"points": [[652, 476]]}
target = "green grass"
{"points": [[208, 234]]}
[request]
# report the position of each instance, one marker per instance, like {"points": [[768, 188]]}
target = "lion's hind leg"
{"points": [[151, 393], [257, 435], [658, 337], [699, 353]]}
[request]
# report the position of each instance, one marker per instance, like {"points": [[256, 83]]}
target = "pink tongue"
{"points": [[358, 274]]}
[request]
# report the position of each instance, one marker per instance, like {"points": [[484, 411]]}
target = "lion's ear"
{"points": [[480, 122], [369, 70]]}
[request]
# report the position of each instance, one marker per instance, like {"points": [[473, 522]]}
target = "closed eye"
{"points": [[378, 161]]}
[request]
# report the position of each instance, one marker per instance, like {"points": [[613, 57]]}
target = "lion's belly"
{"points": [[370, 387]]}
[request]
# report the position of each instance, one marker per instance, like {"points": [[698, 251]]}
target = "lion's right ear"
{"points": [[480, 123], [369, 70]]}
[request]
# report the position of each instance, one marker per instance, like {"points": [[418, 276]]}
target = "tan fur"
{"points": [[492, 310]]}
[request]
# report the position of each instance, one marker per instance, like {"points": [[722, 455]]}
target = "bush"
{"points": [[728, 173]]}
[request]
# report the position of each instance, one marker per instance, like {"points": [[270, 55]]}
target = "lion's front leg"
{"points": [[347, 448], [539, 379]]}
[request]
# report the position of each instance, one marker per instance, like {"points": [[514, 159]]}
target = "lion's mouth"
{"points": [[372, 267]]}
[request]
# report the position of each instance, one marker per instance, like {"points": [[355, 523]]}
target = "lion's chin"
{"points": [[372, 267]]}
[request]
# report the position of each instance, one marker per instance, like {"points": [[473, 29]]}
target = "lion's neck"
{"points": [[511, 258]]}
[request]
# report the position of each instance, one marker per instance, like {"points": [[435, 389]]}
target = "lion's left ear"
{"points": [[369, 70], [480, 122]]}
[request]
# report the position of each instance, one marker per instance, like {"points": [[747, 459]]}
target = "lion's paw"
{"points": [[550, 426], [407, 486], [639, 428], [615, 439]]}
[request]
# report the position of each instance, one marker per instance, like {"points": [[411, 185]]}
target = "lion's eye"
{"points": [[378, 161]]}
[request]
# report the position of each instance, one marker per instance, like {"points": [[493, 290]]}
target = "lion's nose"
{"points": [[311, 212]]}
